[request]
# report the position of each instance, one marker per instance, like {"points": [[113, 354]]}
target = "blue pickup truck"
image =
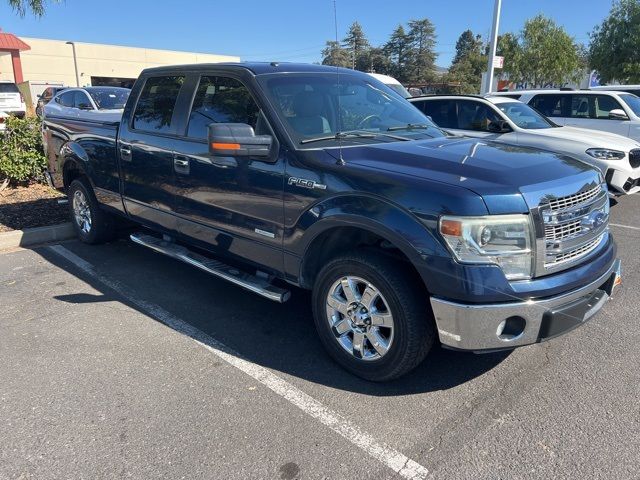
{"points": [[276, 175]]}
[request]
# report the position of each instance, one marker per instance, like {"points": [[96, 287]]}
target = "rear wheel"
{"points": [[91, 223], [371, 316]]}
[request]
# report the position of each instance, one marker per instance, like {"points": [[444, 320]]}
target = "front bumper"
{"points": [[623, 181], [499, 326]]}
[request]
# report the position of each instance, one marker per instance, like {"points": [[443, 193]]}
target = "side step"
{"points": [[253, 283]]}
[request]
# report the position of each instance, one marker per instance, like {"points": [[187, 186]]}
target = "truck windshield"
{"points": [[112, 98], [326, 107], [524, 116], [632, 102]]}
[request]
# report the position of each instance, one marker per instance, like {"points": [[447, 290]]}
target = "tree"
{"points": [[422, 57], [375, 60], [467, 43], [398, 48], [613, 50], [333, 54], [355, 42], [468, 64], [543, 54], [21, 6]]}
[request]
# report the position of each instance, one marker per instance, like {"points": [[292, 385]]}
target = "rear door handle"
{"points": [[125, 152]]}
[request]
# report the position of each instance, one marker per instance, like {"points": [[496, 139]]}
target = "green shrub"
{"points": [[21, 156]]}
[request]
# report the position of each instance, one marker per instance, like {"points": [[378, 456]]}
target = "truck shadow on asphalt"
{"points": [[280, 337]]}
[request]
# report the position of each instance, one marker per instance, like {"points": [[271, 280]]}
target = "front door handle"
{"points": [[181, 164]]}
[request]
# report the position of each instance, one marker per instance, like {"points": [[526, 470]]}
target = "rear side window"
{"points": [[442, 112], [80, 100], [580, 106], [156, 104], [221, 100], [8, 88], [551, 105]]}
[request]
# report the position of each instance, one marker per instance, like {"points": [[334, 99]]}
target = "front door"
{"points": [[146, 153], [233, 205]]}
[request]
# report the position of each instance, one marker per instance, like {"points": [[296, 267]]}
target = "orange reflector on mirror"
{"points": [[225, 146], [451, 227]]}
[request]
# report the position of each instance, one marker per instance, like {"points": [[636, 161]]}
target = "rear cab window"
{"points": [[156, 104]]}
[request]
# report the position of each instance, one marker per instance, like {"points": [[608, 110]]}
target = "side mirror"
{"points": [[237, 140], [501, 126], [618, 114]]}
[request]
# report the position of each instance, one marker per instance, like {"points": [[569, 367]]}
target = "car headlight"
{"points": [[606, 154], [503, 240]]}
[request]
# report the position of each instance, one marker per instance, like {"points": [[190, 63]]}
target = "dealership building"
{"points": [[35, 63]]}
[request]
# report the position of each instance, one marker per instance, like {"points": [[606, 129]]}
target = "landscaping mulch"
{"points": [[35, 205]]}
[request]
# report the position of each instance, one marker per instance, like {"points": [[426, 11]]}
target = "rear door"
{"points": [[233, 205], [145, 147]]}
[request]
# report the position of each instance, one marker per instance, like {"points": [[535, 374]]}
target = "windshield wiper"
{"points": [[352, 134], [410, 126]]}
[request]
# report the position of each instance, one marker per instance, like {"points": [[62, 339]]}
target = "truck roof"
{"points": [[257, 68]]}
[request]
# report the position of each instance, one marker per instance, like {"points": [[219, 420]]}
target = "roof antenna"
{"points": [[335, 22]]}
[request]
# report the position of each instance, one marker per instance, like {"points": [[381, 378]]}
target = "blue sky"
{"points": [[284, 30]]}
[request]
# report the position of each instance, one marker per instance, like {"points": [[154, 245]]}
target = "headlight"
{"points": [[606, 154], [503, 240]]}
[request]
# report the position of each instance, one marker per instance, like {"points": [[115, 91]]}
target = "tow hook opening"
{"points": [[511, 328]]}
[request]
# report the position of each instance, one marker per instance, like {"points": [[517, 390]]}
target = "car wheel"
{"points": [[91, 223], [372, 316]]}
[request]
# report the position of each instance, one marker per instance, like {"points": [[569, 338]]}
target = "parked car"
{"points": [[509, 121], [45, 97], [91, 103], [634, 89], [11, 100], [392, 83], [608, 111], [404, 234]]}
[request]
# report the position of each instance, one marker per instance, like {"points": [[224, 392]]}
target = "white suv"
{"points": [[606, 110], [11, 100], [507, 120]]}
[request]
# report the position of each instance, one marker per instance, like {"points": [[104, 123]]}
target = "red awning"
{"points": [[9, 41]]}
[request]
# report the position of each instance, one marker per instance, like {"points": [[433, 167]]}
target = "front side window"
{"points": [[66, 99], [221, 100], [80, 100], [317, 107], [156, 104], [475, 116], [632, 101], [603, 104], [524, 116]]}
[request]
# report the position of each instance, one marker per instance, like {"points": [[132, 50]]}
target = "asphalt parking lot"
{"points": [[116, 362]]}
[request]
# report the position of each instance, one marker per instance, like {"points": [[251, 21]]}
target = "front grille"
{"points": [[573, 225], [634, 158], [576, 199]]}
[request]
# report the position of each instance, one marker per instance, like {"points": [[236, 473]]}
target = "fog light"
{"points": [[511, 328]]}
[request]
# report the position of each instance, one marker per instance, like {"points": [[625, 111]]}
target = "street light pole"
{"points": [[75, 62], [493, 46]]}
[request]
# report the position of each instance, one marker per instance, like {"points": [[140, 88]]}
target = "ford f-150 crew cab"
{"points": [[270, 175]]}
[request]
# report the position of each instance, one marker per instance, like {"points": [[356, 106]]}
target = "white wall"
{"points": [[52, 61]]}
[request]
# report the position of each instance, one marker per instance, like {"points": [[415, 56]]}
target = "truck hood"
{"points": [[590, 138], [501, 174]]}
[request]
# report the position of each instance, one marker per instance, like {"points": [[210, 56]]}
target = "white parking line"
{"points": [[396, 461], [624, 226]]}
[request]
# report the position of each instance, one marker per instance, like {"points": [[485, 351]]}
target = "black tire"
{"points": [[413, 324], [101, 228]]}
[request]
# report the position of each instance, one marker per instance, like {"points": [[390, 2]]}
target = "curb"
{"points": [[33, 236]]}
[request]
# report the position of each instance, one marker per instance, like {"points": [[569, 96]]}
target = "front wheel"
{"points": [[90, 222], [371, 316]]}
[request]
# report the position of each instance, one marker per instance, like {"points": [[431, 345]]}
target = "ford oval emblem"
{"points": [[593, 221]]}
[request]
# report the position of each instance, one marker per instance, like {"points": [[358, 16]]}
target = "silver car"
{"points": [[104, 104]]}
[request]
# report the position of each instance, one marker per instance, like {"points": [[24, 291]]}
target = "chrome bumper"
{"points": [[508, 325]]}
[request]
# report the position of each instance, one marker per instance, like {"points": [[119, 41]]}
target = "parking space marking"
{"points": [[396, 461], [624, 226]]}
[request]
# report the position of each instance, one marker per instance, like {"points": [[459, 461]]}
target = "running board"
{"points": [[253, 283]]}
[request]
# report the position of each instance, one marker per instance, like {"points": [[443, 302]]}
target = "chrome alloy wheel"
{"points": [[82, 211], [360, 318]]}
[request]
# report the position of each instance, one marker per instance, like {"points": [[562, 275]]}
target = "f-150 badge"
{"points": [[303, 182]]}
